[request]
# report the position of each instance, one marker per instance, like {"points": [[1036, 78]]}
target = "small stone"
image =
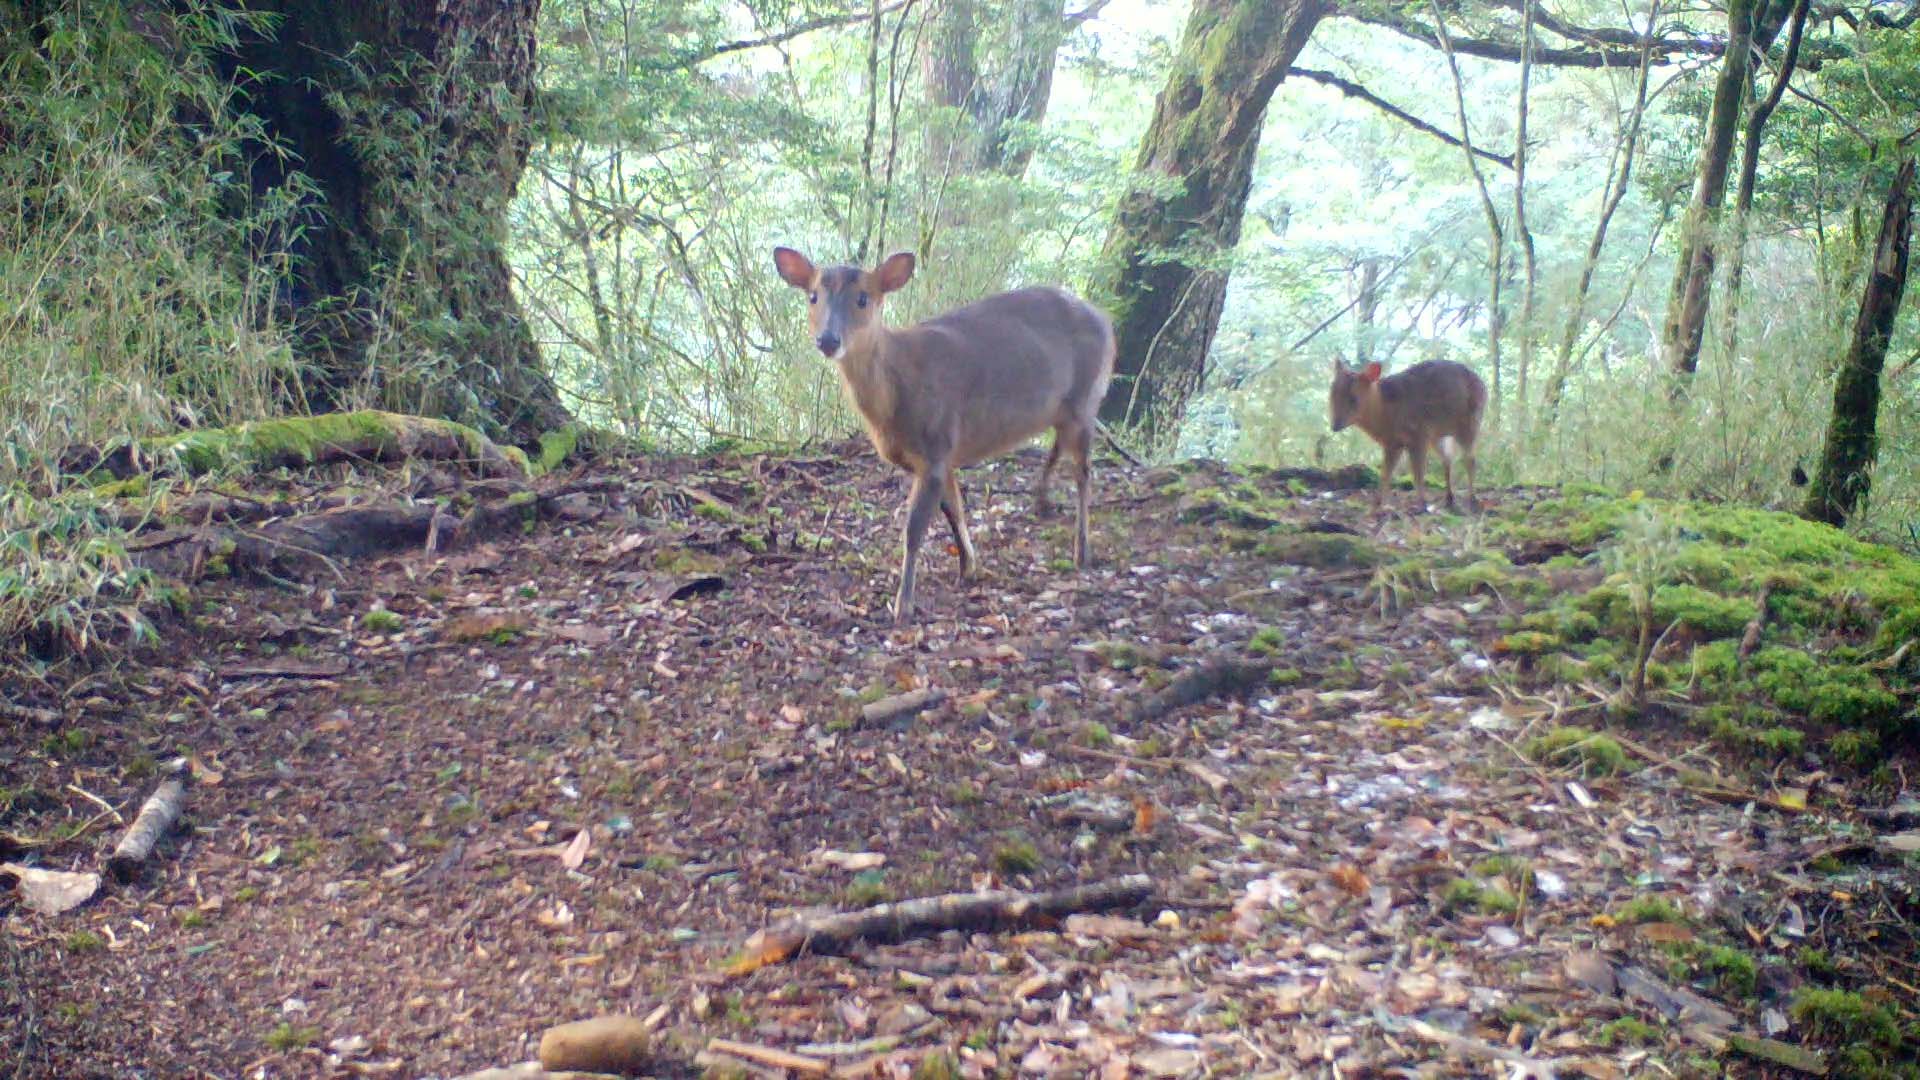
{"points": [[900, 1019], [608, 1044], [1168, 920]]}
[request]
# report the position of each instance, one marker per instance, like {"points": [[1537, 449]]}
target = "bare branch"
{"points": [[1613, 48], [825, 22], [1092, 9], [1355, 90]]}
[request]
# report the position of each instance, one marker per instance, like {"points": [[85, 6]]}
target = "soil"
{"points": [[383, 872]]}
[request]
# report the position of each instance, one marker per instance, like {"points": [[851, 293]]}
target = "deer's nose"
{"points": [[829, 343]]}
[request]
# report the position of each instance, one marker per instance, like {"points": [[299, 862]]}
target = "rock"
{"points": [[900, 1019], [608, 1044]]}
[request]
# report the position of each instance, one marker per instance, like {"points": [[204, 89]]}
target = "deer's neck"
{"points": [[869, 378]]}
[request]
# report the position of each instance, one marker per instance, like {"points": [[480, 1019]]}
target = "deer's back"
{"points": [[999, 370], [1434, 398]]}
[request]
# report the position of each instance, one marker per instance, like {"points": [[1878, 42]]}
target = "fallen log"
{"points": [[1227, 676], [901, 705], [793, 1064], [158, 816], [300, 442], [995, 910]]}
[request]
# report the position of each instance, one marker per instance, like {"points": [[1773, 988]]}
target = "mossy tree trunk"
{"points": [[1167, 255], [1846, 465], [410, 121], [1751, 24]]}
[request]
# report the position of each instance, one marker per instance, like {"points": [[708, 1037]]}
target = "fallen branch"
{"points": [[1750, 638], [1217, 677], [157, 816], [978, 911], [1785, 1055], [767, 1055], [900, 705]]}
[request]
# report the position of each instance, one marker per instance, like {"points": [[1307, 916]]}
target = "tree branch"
{"points": [[1622, 47], [1355, 90], [825, 22], [1092, 9]]}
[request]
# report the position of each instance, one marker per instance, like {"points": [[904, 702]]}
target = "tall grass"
{"points": [[138, 275]]}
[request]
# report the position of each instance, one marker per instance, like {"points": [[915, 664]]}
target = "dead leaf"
{"points": [[1144, 815], [681, 588], [1591, 970], [51, 892], [1907, 842], [761, 950], [1665, 933], [1350, 880], [496, 627], [575, 852]]}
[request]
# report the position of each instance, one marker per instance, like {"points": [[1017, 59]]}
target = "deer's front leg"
{"points": [[921, 505]]}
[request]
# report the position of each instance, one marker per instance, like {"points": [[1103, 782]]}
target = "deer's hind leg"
{"points": [[955, 507], [1042, 505], [1082, 447]]}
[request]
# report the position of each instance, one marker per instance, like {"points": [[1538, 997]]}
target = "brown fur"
{"points": [[961, 387], [1413, 412]]}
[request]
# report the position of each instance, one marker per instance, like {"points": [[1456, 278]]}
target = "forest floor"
{"points": [[1365, 863]]}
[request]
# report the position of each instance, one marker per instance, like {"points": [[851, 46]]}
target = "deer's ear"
{"points": [[794, 268], [896, 271], [1371, 373]]}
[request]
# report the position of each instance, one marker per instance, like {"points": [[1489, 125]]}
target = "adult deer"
{"points": [[961, 387]]}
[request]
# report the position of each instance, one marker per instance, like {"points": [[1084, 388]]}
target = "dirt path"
{"points": [[1355, 867]]}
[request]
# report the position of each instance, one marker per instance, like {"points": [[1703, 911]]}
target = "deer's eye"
{"points": [[862, 300], [813, 298]]}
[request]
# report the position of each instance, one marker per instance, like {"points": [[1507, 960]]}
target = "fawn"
{"points": [[960, 387], [1435, 404]]}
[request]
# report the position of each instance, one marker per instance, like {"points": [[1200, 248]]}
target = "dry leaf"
{"points": [[1665, 933], [1350, 880], [1144, 815], [761, 950], [51, 892], [575, 853]]}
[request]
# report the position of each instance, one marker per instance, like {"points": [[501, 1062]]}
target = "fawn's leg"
{"points": [[1417, 456], [956, 510], [1473, 487], [1386, 477], [925, 497]]}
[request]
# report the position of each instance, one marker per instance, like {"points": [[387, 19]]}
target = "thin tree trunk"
{"points": [[1750, 25], [1165, 262], [1749, 168], [1520, 228], [1496, 234], [1366, 307], [410, 121], [1619, 172], [1845, 473]]}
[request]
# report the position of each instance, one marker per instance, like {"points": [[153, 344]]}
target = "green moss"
{"points": [[1649, 909], [287, 1038], [1492, 574], [1325, 551], [1704, 613], [1527, 643], [1841, 1016], [1267, 641], [1628, 1031], [382, 621], [1016, 857], [83, 941], [295, 441], [556, 447], [1594, 753], [1466, 894]]}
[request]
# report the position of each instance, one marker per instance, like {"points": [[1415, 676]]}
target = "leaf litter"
{"points": [[591, 769]]}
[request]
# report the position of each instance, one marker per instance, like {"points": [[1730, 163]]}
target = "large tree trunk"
{"points": [[1166, 256], [996, 101], [1846, 465], [1751, 24], [410, 119]]}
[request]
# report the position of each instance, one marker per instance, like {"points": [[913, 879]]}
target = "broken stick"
{"points": [[157, 816], [899, 705], [1001, 909]]}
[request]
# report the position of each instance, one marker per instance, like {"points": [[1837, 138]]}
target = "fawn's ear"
{"points": [[1371, 373], [794, 268], [895, 272]]}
